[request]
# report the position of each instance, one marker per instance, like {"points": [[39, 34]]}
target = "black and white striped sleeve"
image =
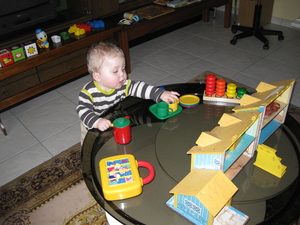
{"points": [[142, 90]]}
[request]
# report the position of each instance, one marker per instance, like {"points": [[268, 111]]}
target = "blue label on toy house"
{"points": [[193, 207]]}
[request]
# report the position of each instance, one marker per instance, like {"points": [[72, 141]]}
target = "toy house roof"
{"points": [[212, 187], [266, 93], [231, 127]]}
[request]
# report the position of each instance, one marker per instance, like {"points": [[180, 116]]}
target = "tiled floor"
{"points": [[48, 124]]}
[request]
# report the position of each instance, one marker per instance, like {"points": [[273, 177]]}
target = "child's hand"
{"points": [[102, 124], [169, 96]]}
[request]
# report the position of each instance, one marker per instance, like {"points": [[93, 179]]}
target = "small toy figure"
{"points": [[41, 38]]}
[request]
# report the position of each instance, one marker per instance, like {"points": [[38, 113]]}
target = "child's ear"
{"points": [[96, 76]]}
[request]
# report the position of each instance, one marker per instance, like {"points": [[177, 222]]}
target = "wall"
{"points": [[286, 9]]}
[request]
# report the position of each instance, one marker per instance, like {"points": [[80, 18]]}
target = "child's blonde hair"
{"points": [[98, 51]]}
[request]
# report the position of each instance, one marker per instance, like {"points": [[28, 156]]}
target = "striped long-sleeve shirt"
{"points": [[93, 101]]}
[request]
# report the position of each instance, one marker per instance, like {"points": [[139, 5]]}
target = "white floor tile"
{"points": [[73, 95], [63, 139], [233, 58], [6, 115], [50, 118], [269, 71], [18, 139], [171, 79], [170, 60], [198, 46], [145, 72], [218, 33], [247, 80], [173, 37], [146, 49], [23, 162], [74, 85], [288, 55], [35, 102], [190, 71]]}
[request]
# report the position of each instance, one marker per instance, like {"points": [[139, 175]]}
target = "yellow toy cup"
{"points": [[173, 105]]}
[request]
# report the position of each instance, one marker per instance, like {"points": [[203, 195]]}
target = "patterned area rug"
{"points": [[52, 193], [55, 193]]}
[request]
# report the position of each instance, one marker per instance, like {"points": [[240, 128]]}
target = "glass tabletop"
{"points": [[164, 144]]}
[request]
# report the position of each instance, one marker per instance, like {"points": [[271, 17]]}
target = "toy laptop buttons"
{"points": [[122, 130]]}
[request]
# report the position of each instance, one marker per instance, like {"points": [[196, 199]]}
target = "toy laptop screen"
{"points": [[119, 171]]}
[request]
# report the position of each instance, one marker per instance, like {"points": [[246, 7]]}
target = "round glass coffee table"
{"points": [[265, 198]]}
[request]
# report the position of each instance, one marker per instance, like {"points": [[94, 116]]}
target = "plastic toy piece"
{"points": [[64, 35], [41, 38], [87, 27], [72, 29], [231, 90], [17, 52], [210, 84], [79, 33], [97, 25], [220, 87], [120, 176], [30, 48], [6, 57], [240, 92], [267, 160], [215, 91]]}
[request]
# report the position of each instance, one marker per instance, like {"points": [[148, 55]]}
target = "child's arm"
{"points": [[102, 124], [169, 95]]}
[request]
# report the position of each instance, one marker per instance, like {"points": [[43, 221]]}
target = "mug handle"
{"points": [[151, 170], [116, 135]]}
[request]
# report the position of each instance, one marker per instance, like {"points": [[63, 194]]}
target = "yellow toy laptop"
{"points": [[120, 176]]}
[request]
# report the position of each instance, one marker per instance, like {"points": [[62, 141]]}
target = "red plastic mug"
{"points": [[122, 130]]}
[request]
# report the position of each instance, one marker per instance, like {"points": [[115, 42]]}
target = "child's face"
{"points": [[112, 74]]}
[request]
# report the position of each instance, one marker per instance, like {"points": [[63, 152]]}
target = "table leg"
{"points": [[3, 128], [227, 15], [124, 45], [205, 15]]}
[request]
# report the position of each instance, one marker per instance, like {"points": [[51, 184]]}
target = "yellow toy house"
{"points": [[233, 139], [278, 93], [200, 200]]}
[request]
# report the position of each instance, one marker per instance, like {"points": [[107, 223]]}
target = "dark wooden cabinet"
{"points": [[246, 12], [103, 8], [49, 68]]}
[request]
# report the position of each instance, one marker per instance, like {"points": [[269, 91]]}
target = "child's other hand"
{"points": [[169, 96], [103, 124]]}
